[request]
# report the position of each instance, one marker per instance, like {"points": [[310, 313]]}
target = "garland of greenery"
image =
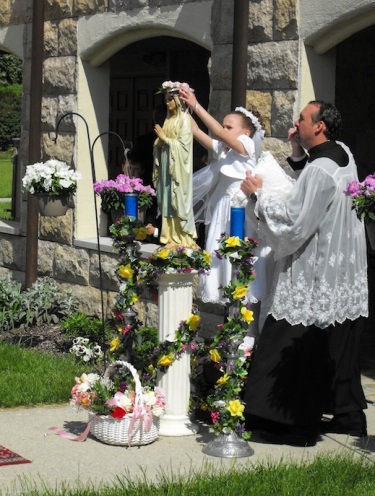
{"points": [[228, 353]]}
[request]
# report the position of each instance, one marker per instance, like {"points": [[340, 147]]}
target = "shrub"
{"points": [[78, 324], [43, 303], [10, 111]]}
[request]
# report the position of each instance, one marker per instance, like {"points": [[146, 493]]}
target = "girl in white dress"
{"points": [[217, 186]]}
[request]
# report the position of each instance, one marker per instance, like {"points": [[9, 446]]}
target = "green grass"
{"points": [[6, 174], [30, 377], [5, 208], [344, 475]]}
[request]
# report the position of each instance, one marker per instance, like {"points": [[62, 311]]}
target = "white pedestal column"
{"points": [[175, 303]]}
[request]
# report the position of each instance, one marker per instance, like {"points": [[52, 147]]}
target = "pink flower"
{"points": [[126, 329], [215, 417]]}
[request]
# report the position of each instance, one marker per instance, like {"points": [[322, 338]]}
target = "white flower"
{"points": [[157, 410], [53, 177], [235, 255], [125, 402], [149, 398], [88, 355], [246, 347]]}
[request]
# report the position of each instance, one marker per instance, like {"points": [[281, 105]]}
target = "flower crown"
{"points": [[251, 116], [172, 87]]}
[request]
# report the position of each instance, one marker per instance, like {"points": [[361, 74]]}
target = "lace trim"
{"points": [[322, 306]]}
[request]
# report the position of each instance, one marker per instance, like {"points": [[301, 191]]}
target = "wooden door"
{"points": [[132, 101], [121, 111]]}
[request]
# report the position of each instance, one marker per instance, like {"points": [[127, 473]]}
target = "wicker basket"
{"points": [[114, 431]]}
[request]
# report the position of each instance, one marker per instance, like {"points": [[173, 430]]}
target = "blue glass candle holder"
{"points": [[131, 205], [237, 222]]}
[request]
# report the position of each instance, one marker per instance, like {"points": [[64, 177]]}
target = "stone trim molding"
{"points": [[102, 35]]}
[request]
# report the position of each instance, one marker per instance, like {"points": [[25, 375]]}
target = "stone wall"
{"points": [[70, 266], [272, 73]]}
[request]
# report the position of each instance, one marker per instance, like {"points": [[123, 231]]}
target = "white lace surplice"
{"points": [[319, 245]]}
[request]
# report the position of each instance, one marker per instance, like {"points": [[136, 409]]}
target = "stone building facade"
{"points": [[92, 45]]}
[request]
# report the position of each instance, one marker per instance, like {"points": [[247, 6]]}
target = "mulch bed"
{"points": [[47, 338]]}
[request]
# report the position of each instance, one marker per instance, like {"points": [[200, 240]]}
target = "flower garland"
{"points": [[172, 87], [134, 275], [231, 349], [228, 352]]}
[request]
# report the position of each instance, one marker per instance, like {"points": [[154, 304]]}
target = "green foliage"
{"points": [[10, 69], [143, 350], [79, 324], [112, 199], [10, 111], [43, 303]]}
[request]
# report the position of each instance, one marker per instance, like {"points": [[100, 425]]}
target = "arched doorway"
{"points": [[355, 80], [136, 73]]}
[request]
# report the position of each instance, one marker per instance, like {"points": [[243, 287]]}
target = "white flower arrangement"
{"points": [[172, 87], [52, 177], [84, 350]]}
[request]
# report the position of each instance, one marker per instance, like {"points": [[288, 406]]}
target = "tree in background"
{"points": [[10, 69], [10, 98]]}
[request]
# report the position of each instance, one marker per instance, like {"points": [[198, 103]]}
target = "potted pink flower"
{"points": [[112, 192], [362, 195]]}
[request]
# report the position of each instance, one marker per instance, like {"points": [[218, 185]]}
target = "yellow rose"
{"points": [[134, 299], [141, 234], [239, 293], [206, 256], [236, 408], [193, 322], [125, 271], [223, 380], [150, 368], [163, 253], [215, 356], [166, 360], [114, 344], [232, 242], [247, 315]]}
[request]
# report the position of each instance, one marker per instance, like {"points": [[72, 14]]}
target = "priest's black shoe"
{"points": [[352, 424], [291, 438]]}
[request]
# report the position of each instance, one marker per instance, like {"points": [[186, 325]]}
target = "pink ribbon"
{"points": [[71, 437], [144, 417]]}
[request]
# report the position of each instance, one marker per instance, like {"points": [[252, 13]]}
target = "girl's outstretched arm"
{"points": [[187, 96]]}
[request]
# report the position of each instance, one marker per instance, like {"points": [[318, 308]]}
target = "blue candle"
{"points": [[237, 222], [131, 204]]}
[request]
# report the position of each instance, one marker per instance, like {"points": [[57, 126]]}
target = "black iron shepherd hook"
{"points": [[92, 162]]}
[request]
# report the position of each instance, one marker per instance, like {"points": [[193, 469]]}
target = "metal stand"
{"points": [[92, 162], [228, 446]]}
